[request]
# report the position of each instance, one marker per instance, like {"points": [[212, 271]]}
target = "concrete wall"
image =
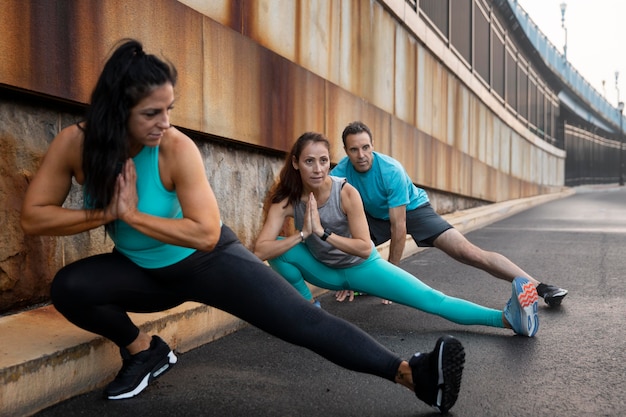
{"points": [[255, 74]]}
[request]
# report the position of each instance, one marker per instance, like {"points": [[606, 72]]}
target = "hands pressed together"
{"points": [[312, 223], [125, 199]]}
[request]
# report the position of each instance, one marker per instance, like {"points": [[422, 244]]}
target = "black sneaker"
{"points": [[140, 369], [437, 375], [551, 295]]}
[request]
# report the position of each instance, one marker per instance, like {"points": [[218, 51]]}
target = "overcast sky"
{"points": [[596, 38]]}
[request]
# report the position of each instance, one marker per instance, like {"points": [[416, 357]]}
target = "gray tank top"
{"points": [[334, 219]]}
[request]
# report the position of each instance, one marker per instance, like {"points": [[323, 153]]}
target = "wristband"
{"points": [[326, 234], [301, 236]]}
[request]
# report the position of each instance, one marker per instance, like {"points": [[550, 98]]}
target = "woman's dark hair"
{"points": [[289, 184], [129, 76], [353, 129]]}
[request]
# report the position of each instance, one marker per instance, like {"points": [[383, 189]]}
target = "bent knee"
{"points": [[67, 287]]}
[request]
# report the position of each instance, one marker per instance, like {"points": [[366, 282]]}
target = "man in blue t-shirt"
{"points": [[395, 206]]}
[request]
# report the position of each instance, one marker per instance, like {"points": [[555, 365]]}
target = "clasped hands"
{"points": [[124, 201], [312, 223]]}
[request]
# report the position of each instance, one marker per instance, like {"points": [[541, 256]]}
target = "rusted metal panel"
{"points": [[255, 96], [343, 109], [451, 115], [349, 44], [493, 150], [503, 138], [441, 177], [405, 85], [438, 102], [425, 63], [58, 47], [318, 29], [480, 180], [424, 161], [474, 126], [461, 118], [273, 24], [226, 12], [520, 157], [406, 146], [42, 49], [286, 67], [484, 132], [356, 32], [460, 172], [377, 57]]}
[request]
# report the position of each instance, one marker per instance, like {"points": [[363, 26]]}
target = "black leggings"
{"points": [[96, 293]]}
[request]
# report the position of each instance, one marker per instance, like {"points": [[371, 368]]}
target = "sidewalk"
{"points": [[45, 359]]}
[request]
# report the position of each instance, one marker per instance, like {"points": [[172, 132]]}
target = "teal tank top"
{"points": [[156, 200]]}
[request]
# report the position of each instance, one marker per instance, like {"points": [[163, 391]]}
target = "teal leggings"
{"points": [[376, 276]]}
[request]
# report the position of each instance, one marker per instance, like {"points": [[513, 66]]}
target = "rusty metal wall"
{"points": [[381, 52], [261, 72]]}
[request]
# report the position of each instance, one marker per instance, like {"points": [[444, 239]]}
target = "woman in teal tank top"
{"points": [[332, 247], [144, 180]]}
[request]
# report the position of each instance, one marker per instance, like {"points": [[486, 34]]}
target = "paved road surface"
{"points": [[574, 366]]}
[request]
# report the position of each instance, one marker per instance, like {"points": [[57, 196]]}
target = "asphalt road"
{"points": [[574, 366]]}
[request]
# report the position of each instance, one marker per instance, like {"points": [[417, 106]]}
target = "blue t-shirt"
{"points": [[385, 185], [156, 200]]}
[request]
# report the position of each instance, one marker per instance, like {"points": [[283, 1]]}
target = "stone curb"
{"points": [[46, 360]]}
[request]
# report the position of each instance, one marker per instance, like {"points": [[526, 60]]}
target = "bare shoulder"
{"points": [[176, 141], [65, 151], [349, 191], [70, 136], [282, 208], [350, 198]]}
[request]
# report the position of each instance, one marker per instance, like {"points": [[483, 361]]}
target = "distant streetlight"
{"points": [[620, 107], [563, 7]]}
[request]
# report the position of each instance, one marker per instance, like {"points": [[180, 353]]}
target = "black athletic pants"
{"points": [[97, 292]]}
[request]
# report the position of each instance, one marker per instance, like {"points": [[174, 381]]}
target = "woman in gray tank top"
{"points": [[331, 247]]}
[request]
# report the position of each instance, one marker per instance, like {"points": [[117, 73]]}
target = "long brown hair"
{"points": [[289, 183]]}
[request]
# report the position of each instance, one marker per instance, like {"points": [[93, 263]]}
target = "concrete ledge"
{"points": [[45, 359]]}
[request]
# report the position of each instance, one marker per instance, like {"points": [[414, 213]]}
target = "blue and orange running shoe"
{"points": [[521, 309]]}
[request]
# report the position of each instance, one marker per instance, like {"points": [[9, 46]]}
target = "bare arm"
{"points": [[360, 243], [182, 168], [266, 246], [397, 218], [42, 212]]}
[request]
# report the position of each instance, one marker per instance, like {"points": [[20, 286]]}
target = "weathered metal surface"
{"points": [[405, 85], [255, 96], [262, 75]]}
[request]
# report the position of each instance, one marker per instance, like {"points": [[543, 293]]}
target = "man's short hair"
{"points": [[353, 129]]}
